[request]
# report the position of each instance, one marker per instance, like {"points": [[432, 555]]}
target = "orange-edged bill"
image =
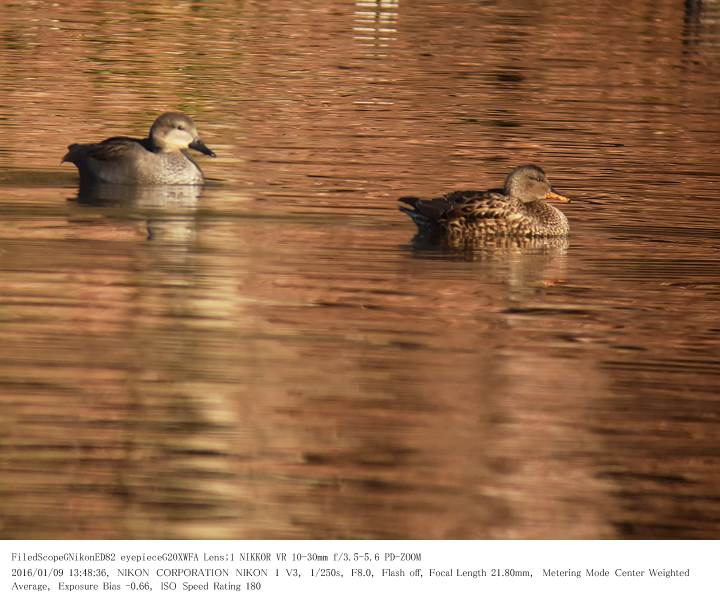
{"points": [[557, 197]]}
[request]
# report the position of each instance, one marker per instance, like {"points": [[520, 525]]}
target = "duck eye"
{"points": [[180, 127]]}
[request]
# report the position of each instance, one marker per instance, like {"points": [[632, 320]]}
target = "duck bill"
{"points": [[198, 145], [557, 197]]}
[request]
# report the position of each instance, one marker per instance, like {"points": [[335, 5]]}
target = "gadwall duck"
{"points": [[520, 209], [160, 159]]}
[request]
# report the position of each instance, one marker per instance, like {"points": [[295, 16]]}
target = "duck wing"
{"points": [[111, 149], [467, 205]]}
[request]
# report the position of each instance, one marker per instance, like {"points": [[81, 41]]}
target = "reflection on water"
{"points": [[166, 197], [168, 211], [274, 356]]}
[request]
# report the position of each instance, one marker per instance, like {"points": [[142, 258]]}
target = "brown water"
{"points": [[271, 358]]}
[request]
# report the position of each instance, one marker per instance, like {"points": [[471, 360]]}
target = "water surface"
{"points": [[270, 356]]}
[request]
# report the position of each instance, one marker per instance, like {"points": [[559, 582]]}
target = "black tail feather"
{"points": [[421, 221], [412, 201]]}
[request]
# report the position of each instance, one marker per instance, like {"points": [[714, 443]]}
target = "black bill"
{"points": [[198, 145]]}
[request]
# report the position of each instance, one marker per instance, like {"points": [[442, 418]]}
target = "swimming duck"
{"points": [[520, 209], [160, 159]]}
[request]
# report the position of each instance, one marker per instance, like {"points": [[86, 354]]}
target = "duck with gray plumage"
{"points": [[519, 209], [160, 159]]}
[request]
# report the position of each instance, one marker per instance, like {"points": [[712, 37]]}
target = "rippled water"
{"points": [[271, 357]]}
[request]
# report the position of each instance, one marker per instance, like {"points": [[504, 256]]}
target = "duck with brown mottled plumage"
{"points": [[160, 159], [520, 209]]}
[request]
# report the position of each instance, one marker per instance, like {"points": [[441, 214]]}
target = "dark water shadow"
{"points": [[14, 177]]}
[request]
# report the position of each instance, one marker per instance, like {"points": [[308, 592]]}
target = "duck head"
{"points": [[174, 131], [529, 184]]}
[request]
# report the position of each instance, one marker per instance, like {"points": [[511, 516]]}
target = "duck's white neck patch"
{"points": [[172, 140]]}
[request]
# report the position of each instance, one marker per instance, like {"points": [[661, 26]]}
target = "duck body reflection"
{"points": [[162, 212]]}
